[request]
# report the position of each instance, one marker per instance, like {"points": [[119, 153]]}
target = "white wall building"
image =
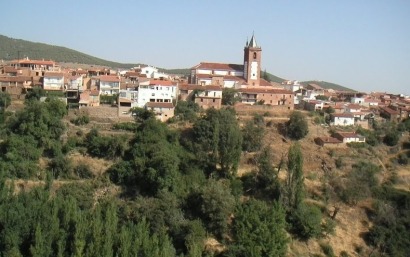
{"points": [[53, 81], [149, 71], [160, 91], [357, 100], [342, 119], [75, 83], [109, 85]]}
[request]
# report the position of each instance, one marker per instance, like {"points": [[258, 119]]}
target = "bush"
{"points": [[83, 171], [403, 159], [339, 163], [327, 249], [80, 120], [297, 126], [306, 221], [391, 138], [128, 126]]}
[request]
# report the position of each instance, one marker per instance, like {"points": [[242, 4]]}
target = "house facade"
{"points": [[349, 137], [161, 91], [53, 81], [109, 85], [163, 111], [205, 96], [269, 96], [342, 119]]}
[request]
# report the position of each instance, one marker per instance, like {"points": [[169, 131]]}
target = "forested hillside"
{"points": [[12, 49], [175, 190]]}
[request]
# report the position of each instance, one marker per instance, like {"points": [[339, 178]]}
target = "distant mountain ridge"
{"points": [[12, 49], [327, 85]]}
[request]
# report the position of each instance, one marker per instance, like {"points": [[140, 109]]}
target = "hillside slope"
{"points": [[11, 49], [327, 85]]}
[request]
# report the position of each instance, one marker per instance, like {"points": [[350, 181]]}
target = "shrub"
{"points": [[327, 249], [83, 171], [306, 221], [297, 126], [80, 120], [128, 126], [403, 159]]}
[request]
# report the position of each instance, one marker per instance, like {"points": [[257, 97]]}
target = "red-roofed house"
{"points": [[205, 96], [15, 85], [109, 85], [53, 81], [163, 111], [89, 98], [263, 95], [162, 91], [389, 114], [349, 137]]}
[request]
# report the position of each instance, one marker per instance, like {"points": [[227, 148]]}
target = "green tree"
{"points": [[297, 126], [306, 221], [141, 114], [253, 133], [259, 230], [294, 186], [187, 110], [216, 205], [219, 140], [229, 96], [5, 100], [392, 138]]}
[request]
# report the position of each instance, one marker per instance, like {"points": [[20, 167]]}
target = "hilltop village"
{"points": [[146, 87], [99, 161]]}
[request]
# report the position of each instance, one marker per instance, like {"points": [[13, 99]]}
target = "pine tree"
{"points": [[294, 187]]}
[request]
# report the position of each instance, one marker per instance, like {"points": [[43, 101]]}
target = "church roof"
{"points": [[218, 66], [252, 43]]}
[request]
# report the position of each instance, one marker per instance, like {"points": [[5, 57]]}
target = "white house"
{"points": [[352, 108], [349, 137], [292, 85], [149, 71], [342, 119], [75, 82], [357, 100], [160, 91], [109, 85], [53, 81]]}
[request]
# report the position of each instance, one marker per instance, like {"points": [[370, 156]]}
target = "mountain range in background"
{"points": [[13, 49]]}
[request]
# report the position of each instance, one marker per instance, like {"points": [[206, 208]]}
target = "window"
{"points": [[254, 55], [153, 94], [202, 99], [213, 100]]}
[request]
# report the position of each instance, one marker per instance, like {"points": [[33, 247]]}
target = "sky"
{"points": [[360, 44]]}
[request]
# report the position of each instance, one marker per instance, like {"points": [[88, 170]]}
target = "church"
{"points": [[246, 78]]}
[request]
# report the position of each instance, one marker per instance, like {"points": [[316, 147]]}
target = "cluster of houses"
{"points": [[147, 87]]}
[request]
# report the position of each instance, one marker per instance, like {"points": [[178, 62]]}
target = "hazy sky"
{"points": [[364, 45]]}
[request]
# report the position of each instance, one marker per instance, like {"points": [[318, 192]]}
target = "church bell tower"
{"points": [[252, 62]]}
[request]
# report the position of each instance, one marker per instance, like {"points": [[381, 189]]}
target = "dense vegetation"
{"points": [[176, 188]]}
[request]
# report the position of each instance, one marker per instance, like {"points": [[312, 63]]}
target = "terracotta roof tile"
{"points": [[199, 87], [159, 105], [218, 66], [107, 78], [161, 82], [265, 90], [53, 74]]}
